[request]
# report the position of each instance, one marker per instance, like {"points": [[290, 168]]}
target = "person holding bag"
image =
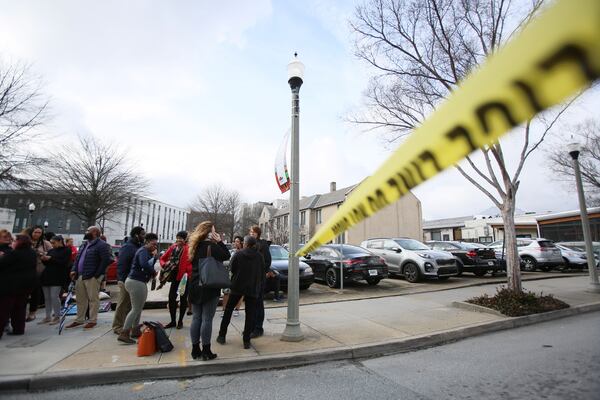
{"points": [[56, 273], [205, 245], [142, 270], [176, 263]]}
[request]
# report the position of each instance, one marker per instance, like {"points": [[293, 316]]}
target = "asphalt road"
{"points": [[554, 360]]}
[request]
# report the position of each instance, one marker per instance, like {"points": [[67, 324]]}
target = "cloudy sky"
{"points": [[196, 93]]}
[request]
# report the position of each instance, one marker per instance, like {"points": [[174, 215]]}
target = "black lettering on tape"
{"points": [[484, 110], [418, 169], [359, 213], [404, 180], [429, 156], [410, 177], [341, 226], [378, 202], [571, 53], [394, 183], [460, 132], [530, 94]]}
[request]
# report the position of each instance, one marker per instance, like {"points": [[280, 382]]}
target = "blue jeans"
{"points": [[202, 319]]}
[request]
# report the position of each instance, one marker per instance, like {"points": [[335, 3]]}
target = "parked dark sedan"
{"points": [[358, 264], [279, 263], [471, 257]]}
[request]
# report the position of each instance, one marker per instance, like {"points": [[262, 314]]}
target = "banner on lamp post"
{"points": [[282, 175]]}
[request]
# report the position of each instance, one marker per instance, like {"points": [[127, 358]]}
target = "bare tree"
{"points": [[96, 178], [219, 205], [22, 108], [588, 134], [421, 50]]}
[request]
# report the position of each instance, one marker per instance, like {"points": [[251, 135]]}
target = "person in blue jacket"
{"points": [[142, 270], [88, 271], [126, 254]]}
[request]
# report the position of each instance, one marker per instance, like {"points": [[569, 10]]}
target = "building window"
{"points": [[16, 228], [68, 224], [285, 221], [318, 219], [446, 237], [303, 218], [436, 235]]}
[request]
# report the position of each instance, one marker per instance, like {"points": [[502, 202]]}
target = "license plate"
{"points": [[372, 272], [490, 263]]}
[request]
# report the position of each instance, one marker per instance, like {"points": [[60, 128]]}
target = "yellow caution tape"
{"points": [[555, 56]]}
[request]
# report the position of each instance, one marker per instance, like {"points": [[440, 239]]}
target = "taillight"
{"points": [[471, 254], [351, 261], [381, 260]]}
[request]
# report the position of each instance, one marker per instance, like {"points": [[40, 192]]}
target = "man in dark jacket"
{"points": [[262, 246], [126, 254], [248, 272], [89, 268]]}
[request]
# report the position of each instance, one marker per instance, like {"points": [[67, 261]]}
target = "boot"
{"points": [[207, 354], [170, 325], [136, 332], [125, 338], [196, 353]]}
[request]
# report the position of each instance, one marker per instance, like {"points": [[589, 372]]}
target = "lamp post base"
{"points": [[292, 332], [593, 288]]}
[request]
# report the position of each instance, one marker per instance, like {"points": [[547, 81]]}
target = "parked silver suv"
{"points": [[413, 259], [536, 253]]}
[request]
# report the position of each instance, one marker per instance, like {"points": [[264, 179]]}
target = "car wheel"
{"points": [[480, 272], [459, 268], [530, 264], [373, 281], [331, 278], [412, 273]]}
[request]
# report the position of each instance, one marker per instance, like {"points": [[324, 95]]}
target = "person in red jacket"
{"points": [[175, 263]]}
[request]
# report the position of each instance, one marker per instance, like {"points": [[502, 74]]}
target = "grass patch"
{"points": [[514, 304]]}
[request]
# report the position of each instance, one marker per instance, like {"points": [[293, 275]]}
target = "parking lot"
{"points": [[321, 293]]}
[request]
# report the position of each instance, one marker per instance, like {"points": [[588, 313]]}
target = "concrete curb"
{"points": [[474, 307], [49, 381]]}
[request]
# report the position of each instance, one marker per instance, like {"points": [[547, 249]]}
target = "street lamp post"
{"points": [[292, 331], [574, 150], [31, 211]]}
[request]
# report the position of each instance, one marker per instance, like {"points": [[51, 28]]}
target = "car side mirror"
{"points": [[397, 249]]}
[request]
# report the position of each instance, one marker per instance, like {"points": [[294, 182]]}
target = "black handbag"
{"points": [[212, 273], [162, 339]]}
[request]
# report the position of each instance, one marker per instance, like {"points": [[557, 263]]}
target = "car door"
{"points": [[392, 258], [317, 263]]}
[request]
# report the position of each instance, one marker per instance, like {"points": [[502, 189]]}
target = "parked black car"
{"points": [[279, 263], [358, 264], [471, 257]]}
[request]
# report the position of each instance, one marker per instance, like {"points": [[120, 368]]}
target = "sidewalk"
{"points": [[351, 329]]}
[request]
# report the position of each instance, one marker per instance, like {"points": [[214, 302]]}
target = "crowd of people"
{"points": [[36, 266]]}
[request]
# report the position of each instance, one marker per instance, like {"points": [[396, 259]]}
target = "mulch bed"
{"points": [[515, 304]]}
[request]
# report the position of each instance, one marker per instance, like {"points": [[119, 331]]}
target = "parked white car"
{"points": [[537, 253]]}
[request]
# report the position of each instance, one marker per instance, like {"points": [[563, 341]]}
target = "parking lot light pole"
{"points": [[574, 150], [292, 331]]}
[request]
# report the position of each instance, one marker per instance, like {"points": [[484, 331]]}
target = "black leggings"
{"points": [[173, 292]]}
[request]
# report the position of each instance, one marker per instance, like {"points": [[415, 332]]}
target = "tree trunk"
{"points": [[513, 265]]}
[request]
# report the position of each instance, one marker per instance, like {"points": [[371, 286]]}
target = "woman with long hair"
{"points": [[176, 263], [56, 273], [41, 247], [204, 300], [17, 269]]}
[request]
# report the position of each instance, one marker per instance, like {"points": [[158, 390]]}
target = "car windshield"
{"points": [[352, 251], [546, 243], [278, 253], [411, 244]]}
